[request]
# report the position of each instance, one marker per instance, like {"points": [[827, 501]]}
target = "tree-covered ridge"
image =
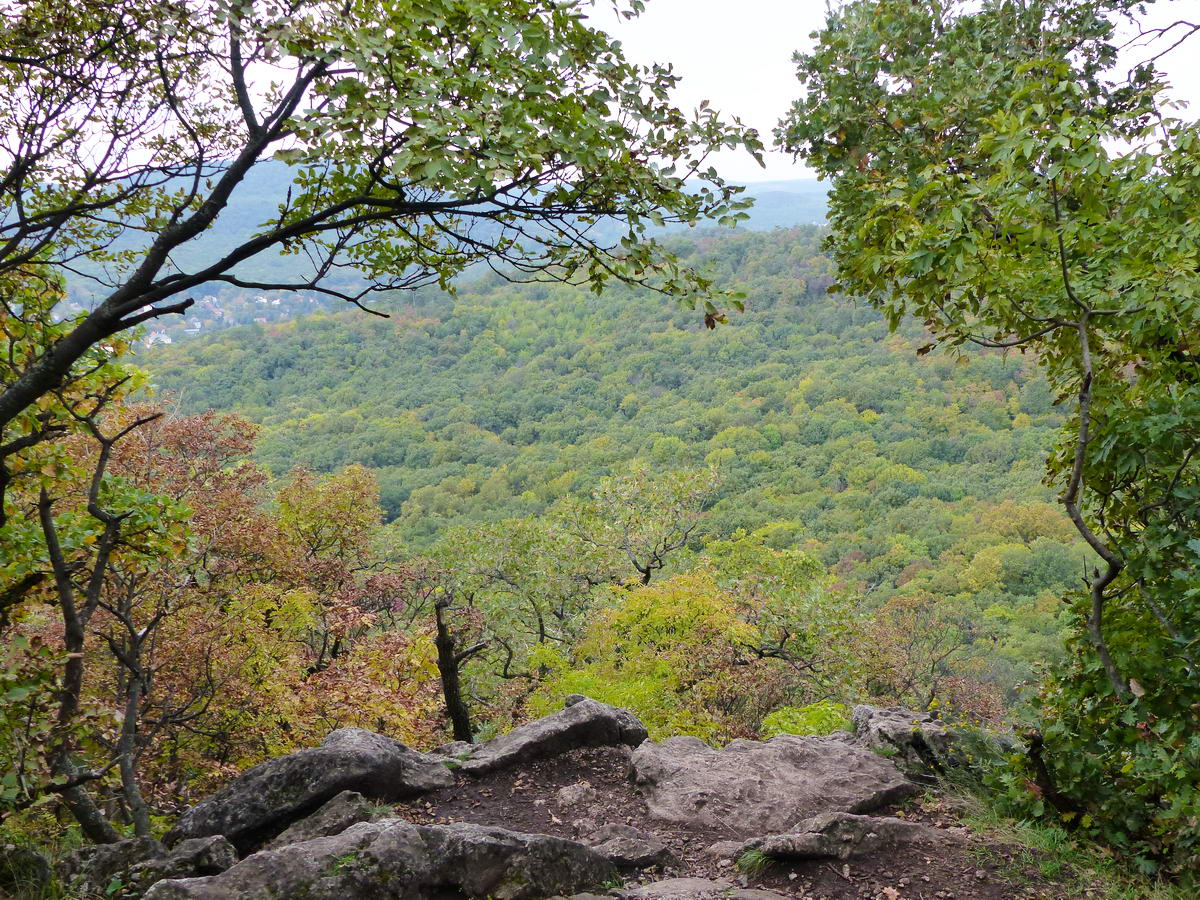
{"points": [[904, 475]]}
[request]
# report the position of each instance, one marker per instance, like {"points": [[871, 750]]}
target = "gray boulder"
{"points": [[454, 750], [921, 745], [265, 800], [394, 859], [752, 788], [842, 835], [23, 868], [90, 870], [630, 849], [725, 851], [187, 859], [585, 723], [579, 794], [346, 809]]}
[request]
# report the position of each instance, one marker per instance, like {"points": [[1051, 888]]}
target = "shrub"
{"points": [[822, 717]]}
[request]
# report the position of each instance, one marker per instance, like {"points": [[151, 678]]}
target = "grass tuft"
{"points": [[1081, 868], [753, 862]]}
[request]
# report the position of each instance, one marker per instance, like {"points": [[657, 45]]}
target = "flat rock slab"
{"points": [[393, 858], [841, 836], [752, 788], [697, 889], [265, 800], [585, 723]]}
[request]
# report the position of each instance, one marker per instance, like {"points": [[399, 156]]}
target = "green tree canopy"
{"points": [[424, 138], [997, 174]]}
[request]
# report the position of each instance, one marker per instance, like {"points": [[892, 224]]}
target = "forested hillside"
{"points": [[907, 476]]}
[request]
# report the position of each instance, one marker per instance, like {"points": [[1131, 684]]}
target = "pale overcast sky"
{"points": [[737, 55]]}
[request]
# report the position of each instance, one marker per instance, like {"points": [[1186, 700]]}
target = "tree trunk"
{"points": [[448, 668], [95, 826], [127, 754]]}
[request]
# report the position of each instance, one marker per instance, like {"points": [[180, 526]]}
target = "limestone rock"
{"points": [[579, 794], [842, 835], [752, 788], [630, 849], [454, 750], [265, 800], [140, 862], [191, 858], [346, 809], [392, 858], [585, 723], [922, 745], [91, 869], [724, 850]]}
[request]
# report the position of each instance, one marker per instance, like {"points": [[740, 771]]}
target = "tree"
{"points": [[910, 646], [642, 517], [511, 593], [796, 615], [327, 525], [665, 650], [92, 536], [422, 139], [430, 590], [998, 176], [714, 650]]}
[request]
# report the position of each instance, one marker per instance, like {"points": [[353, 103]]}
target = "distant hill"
{"points": [[786, 204], [779, 204]]}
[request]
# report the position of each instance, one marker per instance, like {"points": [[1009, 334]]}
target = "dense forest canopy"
{"points": [[900, 473]]}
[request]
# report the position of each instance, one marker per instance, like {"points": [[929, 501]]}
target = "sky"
{"points": [[737, 55]]}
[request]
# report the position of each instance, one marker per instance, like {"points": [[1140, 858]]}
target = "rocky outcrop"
{"points": [[140, 862], [346, 809], [630, 849], [921, 745], [265, 800], [584, 723], [392, 858], [752, 788], [840, 836]]}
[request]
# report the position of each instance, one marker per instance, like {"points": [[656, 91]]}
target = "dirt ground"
{"points": [[957, 865]]}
